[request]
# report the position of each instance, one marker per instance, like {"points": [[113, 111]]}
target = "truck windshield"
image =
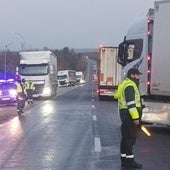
{"points": [[62, 77], [33, 69], [79, 76]]}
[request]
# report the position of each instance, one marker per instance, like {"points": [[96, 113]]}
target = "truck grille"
{"points": [[38, 88], [62, 82]]}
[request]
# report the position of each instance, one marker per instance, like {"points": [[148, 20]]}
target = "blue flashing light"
{"points": [[10, 80], [4, 81]]}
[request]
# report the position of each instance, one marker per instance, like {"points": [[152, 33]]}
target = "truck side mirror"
{"points": [[51, 69], [121, 53]]}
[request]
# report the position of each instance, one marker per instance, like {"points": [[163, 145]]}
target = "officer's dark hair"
{"points": [[133, 71], [23, 80]]}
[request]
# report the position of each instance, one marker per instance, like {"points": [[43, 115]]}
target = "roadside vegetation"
{"points": [[66, 59]]}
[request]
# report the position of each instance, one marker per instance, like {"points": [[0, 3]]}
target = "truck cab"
{"points": [[80, 78], [146, 47], [66, 78], [41, 68], [134, 52]]}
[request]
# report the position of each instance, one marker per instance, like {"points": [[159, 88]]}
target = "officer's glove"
{"points": [[136, 122]]}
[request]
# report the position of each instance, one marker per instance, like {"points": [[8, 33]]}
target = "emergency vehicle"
{"points": [[7, 91]]}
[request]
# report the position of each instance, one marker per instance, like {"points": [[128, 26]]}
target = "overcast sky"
{"points": [[67, 23]]}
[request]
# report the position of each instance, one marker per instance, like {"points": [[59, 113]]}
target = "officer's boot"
{"points": [[131, 163], [18, 111], [123, 161]]}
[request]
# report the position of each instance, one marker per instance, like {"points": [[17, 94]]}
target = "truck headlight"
{"points": [[47, 91], [82, 81]]}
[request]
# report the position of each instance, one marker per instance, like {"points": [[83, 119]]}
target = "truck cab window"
{"points": [[134, 50], [130, 52], [34, 69]]}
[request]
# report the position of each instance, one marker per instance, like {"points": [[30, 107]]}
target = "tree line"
{"points": [[67, 59]]}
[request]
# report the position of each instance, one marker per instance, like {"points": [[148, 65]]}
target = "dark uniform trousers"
{"points": [[129, 135], [20, 101], [29, 94]]}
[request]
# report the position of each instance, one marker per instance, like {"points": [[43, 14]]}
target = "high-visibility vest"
{"points": [[29, 86], [120, 95], [119, 91], [19, 87]]}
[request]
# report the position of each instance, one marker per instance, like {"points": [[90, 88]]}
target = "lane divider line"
{"points": [[93, 106], [97, 145], [94, 118]]}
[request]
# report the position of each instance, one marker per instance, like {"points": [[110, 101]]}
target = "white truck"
{"points": [[146, 46], [109, 72], [41, 68], [66, 78], [80, 78]]}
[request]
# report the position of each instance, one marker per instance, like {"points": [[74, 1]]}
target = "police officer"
{"points": [[130, 109], [29, 87], [23, 83], [20, 95]]}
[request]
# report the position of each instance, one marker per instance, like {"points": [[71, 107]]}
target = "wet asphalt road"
{"points": [[56, 134], [75, 131]]}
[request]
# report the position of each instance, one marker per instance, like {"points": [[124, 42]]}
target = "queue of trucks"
{"points": [[145, 46], [41, 68]]}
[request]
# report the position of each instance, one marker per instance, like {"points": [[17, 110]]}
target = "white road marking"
{"points": [[94, 117], [97, 145], [93, 106]]}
